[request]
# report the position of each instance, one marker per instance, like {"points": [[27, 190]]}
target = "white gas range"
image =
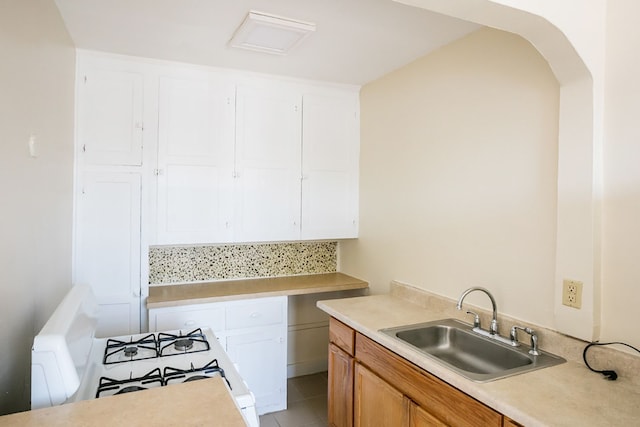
{"points": [[69, 364]]}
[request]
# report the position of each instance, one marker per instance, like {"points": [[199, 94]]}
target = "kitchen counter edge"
{"points": [[207, 292]]}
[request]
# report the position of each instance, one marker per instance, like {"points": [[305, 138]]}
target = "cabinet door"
{"points": [[110, 116], [376, 403], [108, 248], [418, 417], [330, 152], [261, 358], [195, 159], [340, 390], [268, 132]]}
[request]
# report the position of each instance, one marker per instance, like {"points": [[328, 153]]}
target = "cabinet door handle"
{"points": [[189, 323], [255, 315]]}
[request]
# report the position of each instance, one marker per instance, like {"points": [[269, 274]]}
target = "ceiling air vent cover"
{"points": [[270, 34]]}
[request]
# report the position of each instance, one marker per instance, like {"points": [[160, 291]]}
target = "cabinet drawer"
{"points": [[341, 335], [256, 314], [190, 319]]}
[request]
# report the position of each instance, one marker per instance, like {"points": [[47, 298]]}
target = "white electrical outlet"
{"points": [[572, 293]]}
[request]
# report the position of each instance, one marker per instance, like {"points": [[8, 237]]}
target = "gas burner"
{"points": [[130, 351], [211, 369], [111, 387], [117, 351], [183, 344], [172, 344]]}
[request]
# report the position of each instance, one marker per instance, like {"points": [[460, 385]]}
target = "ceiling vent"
{"points": [[262, 32]]}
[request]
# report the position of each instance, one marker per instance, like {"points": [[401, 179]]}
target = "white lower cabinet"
{"points": [[262, 363], [254, 334]]}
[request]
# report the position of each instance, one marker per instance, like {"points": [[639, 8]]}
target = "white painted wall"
{"points": [[570, 35], [621, 204], [36, 82], [458, 175]]}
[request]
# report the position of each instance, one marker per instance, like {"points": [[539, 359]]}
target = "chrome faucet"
{"points": [[493, 330]]}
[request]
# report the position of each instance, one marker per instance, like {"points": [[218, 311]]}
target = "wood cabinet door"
{"points": [[508, 422], [340, 389], [376, 402], [418, 417]]}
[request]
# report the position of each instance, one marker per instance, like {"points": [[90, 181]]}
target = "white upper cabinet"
{"points": [[229, 156], [330, 152], [195, 159], [110, 115], [268, 150]]}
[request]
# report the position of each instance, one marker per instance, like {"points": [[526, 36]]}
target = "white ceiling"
{"points": [[356, 41]]}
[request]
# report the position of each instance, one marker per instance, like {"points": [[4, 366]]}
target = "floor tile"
{"points": [[306, 404], [268, 420], [298, 414]]}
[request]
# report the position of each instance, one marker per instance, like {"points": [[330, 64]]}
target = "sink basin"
{"points": [[476, 357]]}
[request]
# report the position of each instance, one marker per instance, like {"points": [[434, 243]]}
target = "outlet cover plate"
{"points": [[572, 293]]}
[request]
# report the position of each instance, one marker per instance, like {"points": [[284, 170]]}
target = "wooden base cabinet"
{"points": [[376, 402], [341, 372], [391, 391], [340, 407]]}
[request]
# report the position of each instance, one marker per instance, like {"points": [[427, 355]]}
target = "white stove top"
{"points": [[125, 371]]}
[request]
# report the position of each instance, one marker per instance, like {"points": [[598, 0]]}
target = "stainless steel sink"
{"points": [[476, 357]]}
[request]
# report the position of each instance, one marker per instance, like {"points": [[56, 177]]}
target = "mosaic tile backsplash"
{"points": [[180, 264]]}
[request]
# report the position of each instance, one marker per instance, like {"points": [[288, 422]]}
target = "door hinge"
{"points": [[84, 148], [85, 79]]}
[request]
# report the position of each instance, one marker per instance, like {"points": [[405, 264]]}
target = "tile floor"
{"points": [[306, 404]]}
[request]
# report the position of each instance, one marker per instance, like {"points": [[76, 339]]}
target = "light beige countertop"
{"points": [[564, 395], [197, 403], [205, 292]]}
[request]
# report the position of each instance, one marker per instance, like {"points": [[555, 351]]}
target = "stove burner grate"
{"points": [[118, 351], [144, 382], [173, 375], [171, 344]]}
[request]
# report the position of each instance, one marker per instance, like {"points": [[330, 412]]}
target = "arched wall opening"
{"points": [[579, 138]]}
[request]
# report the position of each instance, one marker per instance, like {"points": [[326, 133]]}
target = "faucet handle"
{"points": [[476, 319], [534, 339]]}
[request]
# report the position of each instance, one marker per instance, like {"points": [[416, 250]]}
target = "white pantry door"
{"points": [[108, 247]]}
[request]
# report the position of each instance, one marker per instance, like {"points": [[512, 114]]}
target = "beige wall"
{"points": [[621, 205], [459, 175], [36, 82]]}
